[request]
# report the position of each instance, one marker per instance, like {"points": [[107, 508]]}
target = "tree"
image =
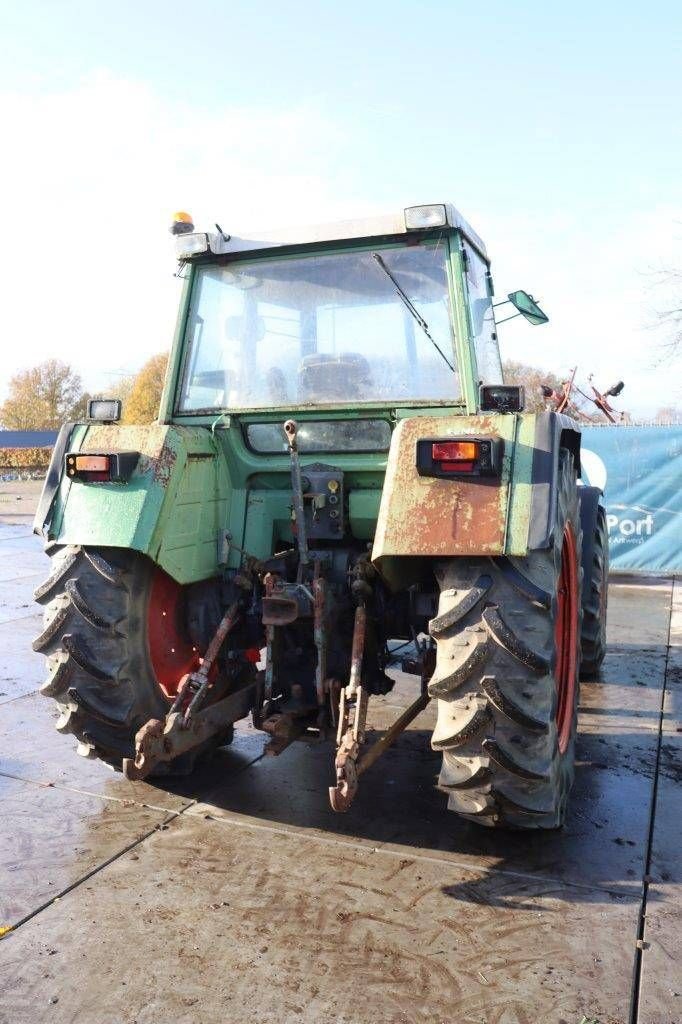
{"points": [[43, 398], [668, 414], [581, 404], [671, 318], [531, 378], [145, 394]]}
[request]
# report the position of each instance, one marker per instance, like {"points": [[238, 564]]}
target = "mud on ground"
{"points": [[237, 895]]}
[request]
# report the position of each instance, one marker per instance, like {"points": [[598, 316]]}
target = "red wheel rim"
{"points": [[566, 637], [171, 652]]}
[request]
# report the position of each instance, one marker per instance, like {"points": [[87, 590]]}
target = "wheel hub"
{"points": [[171, 652]]}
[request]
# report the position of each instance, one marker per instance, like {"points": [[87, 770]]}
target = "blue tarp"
{"points": [[27, 438], [640, 472]]}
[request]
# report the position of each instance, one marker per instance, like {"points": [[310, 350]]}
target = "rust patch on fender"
{"points": [[163, 467], [433, 516]]}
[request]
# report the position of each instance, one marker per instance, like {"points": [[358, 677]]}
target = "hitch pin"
{"points": [[291, 429]]}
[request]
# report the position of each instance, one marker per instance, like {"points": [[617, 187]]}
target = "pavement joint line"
{"points": [[641, 918], [90, 874], [18, 696], [19, 618], [98, 796], [190, 801], [170, 816], [408, 852], [25, 576]]}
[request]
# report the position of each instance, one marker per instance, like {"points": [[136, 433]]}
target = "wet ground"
{"points": [[237, 895]]}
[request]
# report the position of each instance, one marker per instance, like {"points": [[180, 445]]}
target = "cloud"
{"points": [[87, 260], [595, 275]]}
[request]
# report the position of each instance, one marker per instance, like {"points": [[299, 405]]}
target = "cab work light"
{"points": [[501, 398], [466, 457], [106, 410], [191, 245], [418, 218], [116, 467]]}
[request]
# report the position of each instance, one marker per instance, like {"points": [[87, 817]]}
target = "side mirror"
{"points": [[528, 307]]}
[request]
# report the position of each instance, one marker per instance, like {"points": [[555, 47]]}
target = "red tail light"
{"points": [[454, 451], [457, 467], [89, 467], [116, 467], [480, 456], [455, 456]]}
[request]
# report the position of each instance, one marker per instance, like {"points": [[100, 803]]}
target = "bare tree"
{"points": [[671, 318], [668, 414]]}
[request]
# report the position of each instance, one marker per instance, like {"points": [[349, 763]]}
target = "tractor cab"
{"points": [[388, 312]]}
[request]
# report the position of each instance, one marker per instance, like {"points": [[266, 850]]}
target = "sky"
{"points": [[555, 129]]}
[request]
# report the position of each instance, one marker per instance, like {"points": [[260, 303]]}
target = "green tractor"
{"points": [[337, 470]]}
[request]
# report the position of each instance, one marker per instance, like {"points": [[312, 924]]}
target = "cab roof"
{"points": [[379, 226]]}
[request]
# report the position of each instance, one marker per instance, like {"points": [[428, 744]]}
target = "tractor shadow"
{"points": [[602, 846]]}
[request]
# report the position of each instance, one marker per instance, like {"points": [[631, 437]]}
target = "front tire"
{"points": [[507, 663]]}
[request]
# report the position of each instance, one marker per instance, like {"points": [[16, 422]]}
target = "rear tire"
{"points": [[595, 598], [507, 660], [95, 637]]}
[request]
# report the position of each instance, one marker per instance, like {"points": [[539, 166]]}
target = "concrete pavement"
{"points": [[237, 894]]}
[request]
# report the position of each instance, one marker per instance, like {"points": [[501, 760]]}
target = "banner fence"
{"points": [[639, 468]]}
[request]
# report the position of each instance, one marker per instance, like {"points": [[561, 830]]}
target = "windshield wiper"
{"points": [[411, 309]]}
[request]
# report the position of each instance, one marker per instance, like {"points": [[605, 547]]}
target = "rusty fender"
{"points": [[423, 516]]}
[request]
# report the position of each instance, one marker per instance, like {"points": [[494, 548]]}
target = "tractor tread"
{"points": [[503, 759], [82, 607], [446, 680], [524, 586], [68, 721], [441, 623], [111, 573], [506, 803], [507, 638], [71, 645], [58, 679], [509, 708], [481, 777], [593, 632], [479, 720], [55, 578], [53, 627], [88, 708]]}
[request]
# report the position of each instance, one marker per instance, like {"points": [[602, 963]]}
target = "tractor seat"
{"points": [[324, 377]]}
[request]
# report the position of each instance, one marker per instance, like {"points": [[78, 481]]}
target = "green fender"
{"points": [[173, 508]]}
